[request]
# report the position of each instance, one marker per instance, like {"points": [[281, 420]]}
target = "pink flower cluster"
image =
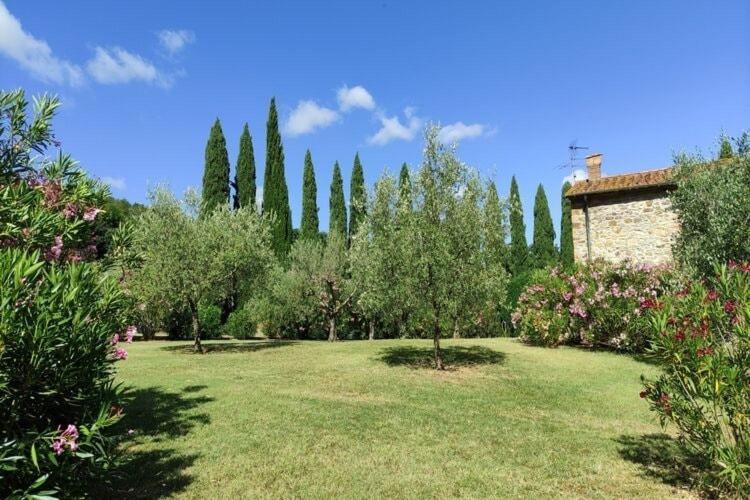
{"points": [[66, 439], [128, 335]]}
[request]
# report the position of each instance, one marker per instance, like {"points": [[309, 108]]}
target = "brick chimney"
{"points": [[594, 166]]}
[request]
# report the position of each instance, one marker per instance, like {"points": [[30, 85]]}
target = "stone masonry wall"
{"points": [[639, 226]]}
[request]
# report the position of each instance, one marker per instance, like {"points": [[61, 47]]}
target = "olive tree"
{"points": [[380, 263], [712, 209], [444, 239], [186, 260]]}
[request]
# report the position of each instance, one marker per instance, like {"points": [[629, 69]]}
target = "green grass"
{"points": [[368, 419]]}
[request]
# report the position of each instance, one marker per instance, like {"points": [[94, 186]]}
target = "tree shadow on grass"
{"points": [[453, 356], [154, 416], [229, 347], [661, 457]]}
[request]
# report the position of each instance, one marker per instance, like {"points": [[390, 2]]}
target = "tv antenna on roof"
{"points": [[573, 159]]}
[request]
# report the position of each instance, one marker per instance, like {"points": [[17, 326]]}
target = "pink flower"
{"points": [[115, 338], [70, 210], [130, 333], [121, 353], [66, 439], [55, 250], [57, 446], [91, 213]]}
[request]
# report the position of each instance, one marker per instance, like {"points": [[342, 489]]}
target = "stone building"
{"points": [[622, 217]]}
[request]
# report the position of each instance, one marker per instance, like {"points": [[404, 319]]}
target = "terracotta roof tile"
{"points": [[623, 182]]}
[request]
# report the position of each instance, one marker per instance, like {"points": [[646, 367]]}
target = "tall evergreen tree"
{"points": [[725, 150], [244, 177], [357, 197], [404, 185], [337, 205], [566, 230], [216, 171], [495, 228], [309, 226], [519, 249], [543, 248], [275, 191]]}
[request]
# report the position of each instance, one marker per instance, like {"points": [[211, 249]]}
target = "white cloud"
{"points": [[35, 55], [354, 97], [116, 65], [308, 116], [117, 183], [578, 174], [458, 131], [392, 128], [173, 41]]}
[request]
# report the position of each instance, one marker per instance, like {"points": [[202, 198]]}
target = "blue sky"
{"points": [[515, 82]]}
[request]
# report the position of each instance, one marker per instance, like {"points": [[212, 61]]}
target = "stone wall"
{"points": [[639, 226]]}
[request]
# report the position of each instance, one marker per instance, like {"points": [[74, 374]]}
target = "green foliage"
{"points": [[240, 324], [710, 201], [566, 230], [309, 299], [244, 179], [598, 304], [424, 269], [337, 204], [725, 148], [701, 339], [357, 198], [58, 314], [275, 191], [404, 186], [496, 224], [309, 225], [187, 261], [543, 251], [216, 171], [209, 319], [519, 249]]}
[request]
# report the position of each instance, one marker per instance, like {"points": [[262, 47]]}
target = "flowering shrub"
{"points": [[598, 304], [62, 322], [701, 336]]}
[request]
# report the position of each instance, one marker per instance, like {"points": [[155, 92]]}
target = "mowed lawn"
{"points": [[365, 419]]}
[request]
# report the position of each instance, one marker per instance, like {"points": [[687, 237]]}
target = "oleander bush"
{"points": [[701, 338], [61, 316], [597, 305]]}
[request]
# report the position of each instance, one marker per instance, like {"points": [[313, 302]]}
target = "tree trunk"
{"points": [[372, 329], [332, 330], [438, 354], [456, 331], [196, 330]]}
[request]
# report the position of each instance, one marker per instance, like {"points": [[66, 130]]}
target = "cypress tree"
{"points": [[404, 186], [519, 250], [543, 248], [216, 171], [357, 197], [495, 225], [244, 177], [337, 204], [309, 225], [275, 191], [566, 230], [725, 150]]}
